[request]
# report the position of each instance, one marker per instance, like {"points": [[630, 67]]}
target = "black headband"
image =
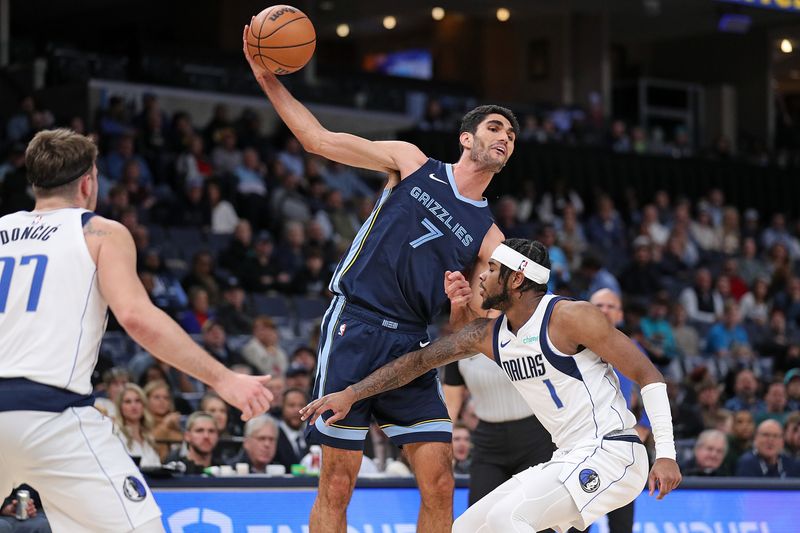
{"points": [[69, 179]]}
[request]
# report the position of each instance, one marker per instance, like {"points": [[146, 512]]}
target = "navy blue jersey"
{"points": [[417, 231]]}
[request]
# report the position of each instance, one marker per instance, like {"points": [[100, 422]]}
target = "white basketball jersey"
{"points": [[577, 398], [52, 316]]}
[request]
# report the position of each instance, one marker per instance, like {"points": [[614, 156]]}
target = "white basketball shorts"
{"points": [[86, 480]]}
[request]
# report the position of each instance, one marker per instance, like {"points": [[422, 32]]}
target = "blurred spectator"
{"points": [[745, 390], [201, 437], [290, 253], [114, 380], [113, 164], [291, 446], [345, 180], [559, 265], [741, 438], [223, 215], [703, 232], [226, 157], [291, 157], [239, 248], [640, 278], [202, 275], [687, 419], [702, 303], [434, 118], [606, 231], [660, 342], [618, 137], [263, 350], [286, 202], [19, 127], [767, 458], [506, 219], [777, 233], [730, 234], [312, 280], [728, 335], [792, 382], [774, 407], [686, 337], [755, 304], [789, 301], [316, 237], [133, 425], [212, 404], [14, 189], [36, 521], [779, 343], [167, 293], [750, 266], [462, 449], [730, 271], [709, 453], [260, 273], [597, 276], [341, 220], [571, 239], [234, 315], [192, 209], [214, 340], [192, 165], [251, 174], [652, 227], [220, 121], [791, 436], [199, 311], [298, 377], [709, 400], [554, 203], [260, 444], [166, 420]]}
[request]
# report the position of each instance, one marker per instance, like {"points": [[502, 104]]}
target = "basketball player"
{"points": [[431, 218], [559, 355], [61, 267]]}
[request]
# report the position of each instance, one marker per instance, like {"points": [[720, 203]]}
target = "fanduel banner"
{"points": [[394, 510], [783, 5]]}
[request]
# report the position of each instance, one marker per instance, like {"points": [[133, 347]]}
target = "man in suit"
{"points": [[292, 445]]}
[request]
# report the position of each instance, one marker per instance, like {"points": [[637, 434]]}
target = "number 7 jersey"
{"points": [[418, 229], [52, 316], [576, 397]]}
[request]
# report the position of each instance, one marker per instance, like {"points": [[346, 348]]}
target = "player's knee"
{"points": [[500, 517], [437, 487], [337, 488]]}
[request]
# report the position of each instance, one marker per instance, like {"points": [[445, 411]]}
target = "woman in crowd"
{"points": [[166, 420], [133, 425]]}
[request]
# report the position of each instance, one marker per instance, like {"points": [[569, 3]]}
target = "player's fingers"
{"points": [[651, 482], [264, 379], [246, 413], [335, 417]]}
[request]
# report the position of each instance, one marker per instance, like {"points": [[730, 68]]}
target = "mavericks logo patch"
{"points": [[589, 480], [134, 489]]}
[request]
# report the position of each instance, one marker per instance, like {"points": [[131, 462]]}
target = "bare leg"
{"points": [[433, 465], [336, 482]]}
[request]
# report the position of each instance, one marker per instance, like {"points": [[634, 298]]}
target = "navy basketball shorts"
{"points": [[354, 343]]}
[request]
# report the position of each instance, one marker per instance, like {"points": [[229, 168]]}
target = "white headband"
{"points": [[519, 263]]}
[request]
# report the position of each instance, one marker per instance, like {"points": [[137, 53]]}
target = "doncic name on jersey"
{"points": [[442, 214], [37, 232]]}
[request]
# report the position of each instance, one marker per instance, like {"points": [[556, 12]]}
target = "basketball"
{"points": [[282, 38]]}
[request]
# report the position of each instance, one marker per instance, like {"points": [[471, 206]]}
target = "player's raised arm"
{"points": [[154, 329], [474, 337], [586, 326], [382, 156]]}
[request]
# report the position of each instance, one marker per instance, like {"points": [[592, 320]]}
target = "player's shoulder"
{"points": [[96, 226], [572, 311]]}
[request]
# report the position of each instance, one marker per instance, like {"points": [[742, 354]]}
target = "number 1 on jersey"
{"points": [[36, 283], [553, 393]]}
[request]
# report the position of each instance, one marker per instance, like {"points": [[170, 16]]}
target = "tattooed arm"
{"points": [[475, 337]]}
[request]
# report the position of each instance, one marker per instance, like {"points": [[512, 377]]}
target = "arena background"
{"points": [[624, 103]]}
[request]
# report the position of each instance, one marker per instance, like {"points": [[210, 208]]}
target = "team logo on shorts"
{"points": [[134, 489], [589, 479]]}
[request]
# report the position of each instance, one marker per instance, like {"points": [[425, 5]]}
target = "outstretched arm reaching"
{"points": [[475, 337]]}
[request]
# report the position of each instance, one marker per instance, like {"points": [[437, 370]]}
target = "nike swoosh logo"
{"points": [[424, 344], [504, 344], [434, 178]]}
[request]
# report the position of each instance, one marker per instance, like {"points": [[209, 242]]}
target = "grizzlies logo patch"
{"points": [[589, 480], [134, 489]]}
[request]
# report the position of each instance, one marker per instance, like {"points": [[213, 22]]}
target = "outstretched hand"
{"points": [[247, 393], [255, 65], [664, 476], [338, 402], [457, 288]]}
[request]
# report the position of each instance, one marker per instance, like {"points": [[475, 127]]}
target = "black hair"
{"points": [[472, 119], [533, 250]]}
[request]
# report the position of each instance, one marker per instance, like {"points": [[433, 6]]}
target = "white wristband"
{"points": [[656, 404]]}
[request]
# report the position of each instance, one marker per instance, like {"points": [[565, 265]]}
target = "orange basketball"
{"points": [[282, 39]]}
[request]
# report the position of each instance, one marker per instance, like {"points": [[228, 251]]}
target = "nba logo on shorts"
{"points": [[589, 479], [341, 329], [134, 489]]}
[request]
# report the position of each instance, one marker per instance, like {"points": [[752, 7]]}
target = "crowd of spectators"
{"points": [[238, 231]]}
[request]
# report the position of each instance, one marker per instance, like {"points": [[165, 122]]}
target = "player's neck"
{"points": [[471, 180], [522, 310], [53, 203]]}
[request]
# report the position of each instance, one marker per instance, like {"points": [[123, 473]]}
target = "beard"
{"points": [[500, 302], [481, 155]]}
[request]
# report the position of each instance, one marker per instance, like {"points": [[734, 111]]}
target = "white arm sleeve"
{"points": [[656, 404]]}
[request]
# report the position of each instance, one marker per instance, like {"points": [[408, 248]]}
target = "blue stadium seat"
{"points": [[309, 308], [276, 307]]}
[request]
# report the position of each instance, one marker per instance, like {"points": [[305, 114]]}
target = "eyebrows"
{"points": [[499, 124]]}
